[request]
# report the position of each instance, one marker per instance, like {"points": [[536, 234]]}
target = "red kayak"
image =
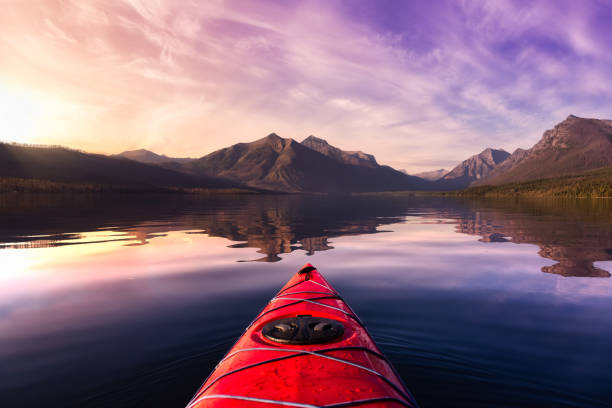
{"points": [[306, 349]]}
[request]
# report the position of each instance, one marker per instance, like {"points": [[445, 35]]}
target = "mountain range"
{"points": [[573, 146], [476, 167], [284, 165]]}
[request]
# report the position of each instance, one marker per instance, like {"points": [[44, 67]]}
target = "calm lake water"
{"points": [[131, 301]]}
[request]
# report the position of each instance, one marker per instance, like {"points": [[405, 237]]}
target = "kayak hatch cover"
{"points": [[306, 349]]}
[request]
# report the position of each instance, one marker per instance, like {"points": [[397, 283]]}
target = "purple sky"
{"points": [[420, 84]]}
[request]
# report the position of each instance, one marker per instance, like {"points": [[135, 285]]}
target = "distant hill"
{"points": [[474, 168], [431, 175], [147, 156], [357, 158], [574, 145], [285, 165], [64, 165]]}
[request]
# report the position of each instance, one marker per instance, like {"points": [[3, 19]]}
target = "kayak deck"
{"points": [[308, 349]]}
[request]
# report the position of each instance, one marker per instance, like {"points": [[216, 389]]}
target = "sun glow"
{"points": [[32, 116], [21, 114]]}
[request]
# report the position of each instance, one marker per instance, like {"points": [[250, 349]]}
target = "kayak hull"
{"points": [[285, 359]]}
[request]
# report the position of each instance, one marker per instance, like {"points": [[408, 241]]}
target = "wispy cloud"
{"points": [[419, 84]]}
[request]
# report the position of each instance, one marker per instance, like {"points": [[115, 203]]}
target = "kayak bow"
{"points": [[306, 349]]}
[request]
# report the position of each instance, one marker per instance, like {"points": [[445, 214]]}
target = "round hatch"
{"points": [[303, 330]]}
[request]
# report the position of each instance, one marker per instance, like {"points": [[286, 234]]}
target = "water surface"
{"points": [[130, 301]]}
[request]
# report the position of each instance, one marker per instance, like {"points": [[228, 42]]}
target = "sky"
{"points": [[419, 84]]}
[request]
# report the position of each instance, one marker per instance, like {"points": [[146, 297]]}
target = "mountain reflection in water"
{"points": [[573, 233]]}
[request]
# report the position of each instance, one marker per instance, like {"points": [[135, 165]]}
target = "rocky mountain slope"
{"points": [[357, 158], [474, 168], [285, 165], [573, 146]]}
